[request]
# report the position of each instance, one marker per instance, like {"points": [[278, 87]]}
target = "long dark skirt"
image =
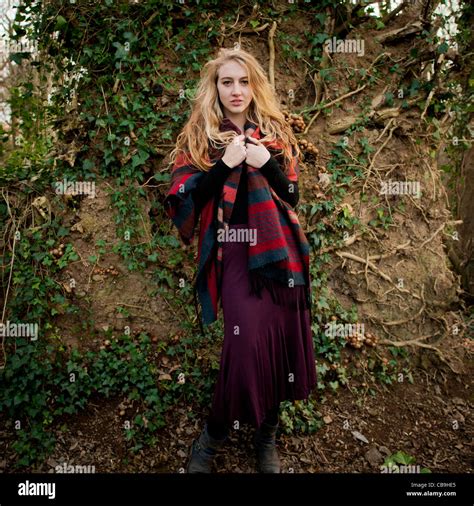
{"points": [[267, 355]]}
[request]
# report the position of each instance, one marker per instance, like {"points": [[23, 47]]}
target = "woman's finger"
{"points": [[238, 139], [256, 141]]}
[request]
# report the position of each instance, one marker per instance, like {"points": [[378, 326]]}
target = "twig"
{"points": [[369, 170], [409, 319], [153, 318], [423, 159], [151, 18], [106, 107], [409, 30], [392, 14], [271, 48], [413, 201], [356, 258], [438, 230], [342, 97], [395, 250], [322, 454], [415, 342], [329, 104], [384, 130], [428, 100], [351, 240], [8, 286], [259, 29]]}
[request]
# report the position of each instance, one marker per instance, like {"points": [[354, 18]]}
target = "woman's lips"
{"points": [[236, 102]]}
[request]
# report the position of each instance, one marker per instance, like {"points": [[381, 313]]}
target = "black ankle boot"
{"points": [[202, 452], [265, 446]]}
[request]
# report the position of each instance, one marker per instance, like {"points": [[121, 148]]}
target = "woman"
{"points": [[252, 252]]}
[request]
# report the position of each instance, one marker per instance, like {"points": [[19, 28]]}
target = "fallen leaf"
{"points": [[359, 436]]}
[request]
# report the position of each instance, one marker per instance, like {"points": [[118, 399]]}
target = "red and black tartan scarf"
{"points": [[281, 252]]}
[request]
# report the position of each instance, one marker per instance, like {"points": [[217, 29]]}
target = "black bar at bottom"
{"points": [[237, 489]]}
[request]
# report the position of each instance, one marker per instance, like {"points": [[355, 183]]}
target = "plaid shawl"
{"points": [[281, 252]]}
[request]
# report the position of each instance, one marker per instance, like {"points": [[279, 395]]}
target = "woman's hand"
{"points": [[257, 154], [235, 152]]}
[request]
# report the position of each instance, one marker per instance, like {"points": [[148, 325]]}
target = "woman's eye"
{"points": [[228, 82]]}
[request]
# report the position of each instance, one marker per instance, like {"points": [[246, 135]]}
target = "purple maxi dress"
{"points": [[267, 355]]}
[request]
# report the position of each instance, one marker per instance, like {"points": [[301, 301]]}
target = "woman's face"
{"points": [[233, 88]]}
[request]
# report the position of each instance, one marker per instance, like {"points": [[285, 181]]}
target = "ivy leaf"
{"points": [[18, 57], [121, 53], [321, 17], [139, 158], [60, 22], [333, 385], [87, 164], [443, 48], [319, 39]]}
